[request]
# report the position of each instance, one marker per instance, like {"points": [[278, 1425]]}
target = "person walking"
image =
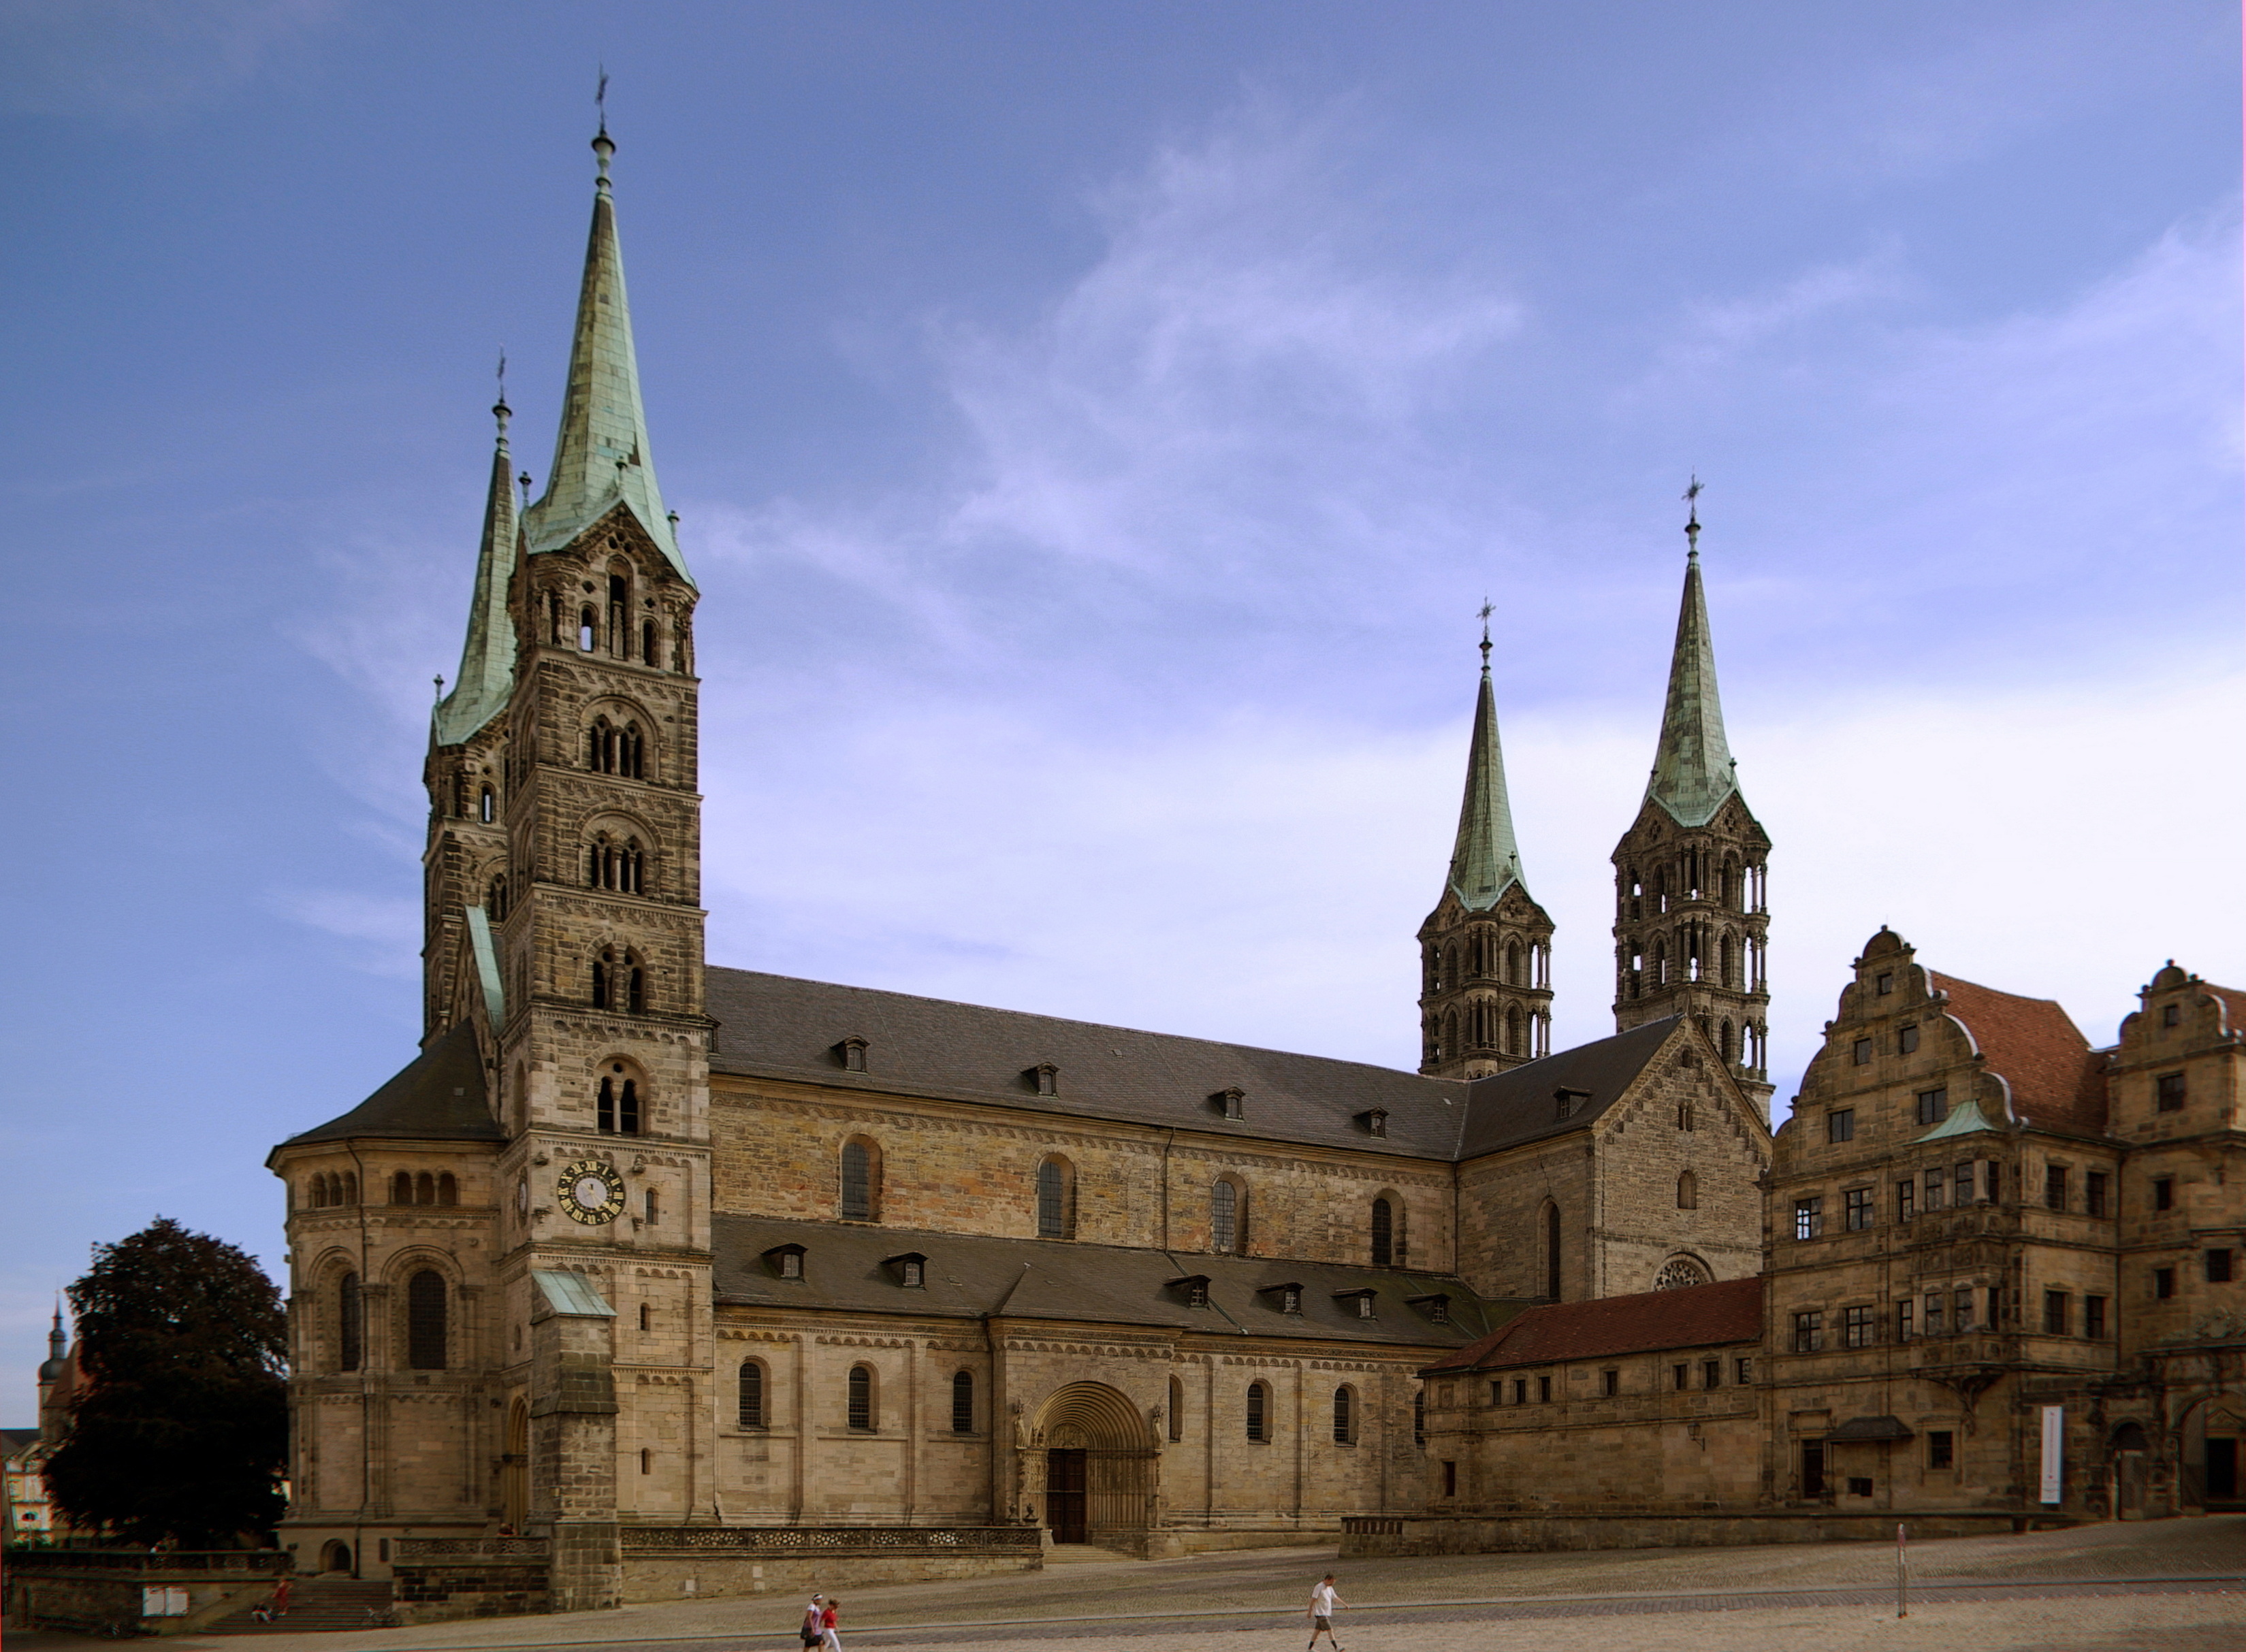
{"points": [[1323, 1602], [833, 1641], [281, 1598], [815, 1621]]}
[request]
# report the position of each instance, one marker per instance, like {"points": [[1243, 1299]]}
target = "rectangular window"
{"points": [[1933, 1107], [2093, 1192], [2167, 1091], [1863, 1052], [1996, 1306], [2163, 1192], [1808, 1218], [1962, 1302], [1743, 1371], [2218, 1267], [2054, 1313], [1907, 1040], [1906, 1200], [1543, 1390], [1860, 1485], [1964, 1184], [1933, 1307], [1903, 1319], [1991, 1189], [1450, 1479], [1858, 1201], [1813, 1468], [1612, 1381], [2164, 1282], [1940, 1448], [1840, 1126], [2054, 1187], [1859, 1328], [1808, 1333], [2093, 1317], [1936, 1181], [1886, 980], [1497, 1391], [1681, 1375], [1712, 1373]]}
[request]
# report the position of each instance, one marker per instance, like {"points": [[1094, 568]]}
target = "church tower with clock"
{"points": [[524, 1211]]}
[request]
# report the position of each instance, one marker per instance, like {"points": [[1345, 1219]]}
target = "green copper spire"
{"points": [[1692, 769], [1485, 861], [600, 457], [488, 662]]}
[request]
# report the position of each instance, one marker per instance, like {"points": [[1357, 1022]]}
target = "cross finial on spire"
{"points": [[1485, 612], [500, 409], [603, 145], [440, 686], [1692, 517], [600, 97]]}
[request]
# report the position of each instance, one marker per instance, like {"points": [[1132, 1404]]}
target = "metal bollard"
{"points": [[1903, 1588]]}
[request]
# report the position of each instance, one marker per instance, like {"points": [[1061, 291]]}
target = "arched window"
{"points": [[1053, 1212], [1513, 963], [634, 985], [1512, 1035], [401, 1188], [862, 1180], [1552, 1252], [1419, 1418], [618, 1105], [1228, 1225], [588, 627], [602, 962], [1259, 1407], [1450, 1030], [426, 1300], [1451, 963], [1726, 1041], [1177, 1417], [962, 1402], [651, 644], [495, 899], [1677, 1273], [350, 1323], [617, 864], [1345, 1416], [448, 1190], [1384, 1233], [861, 1398], [487, 805], [750, 1407], [1688, 1192]]}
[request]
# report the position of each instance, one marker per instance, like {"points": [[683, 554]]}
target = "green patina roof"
{"points": [[600, 457], [1693, 769], [1485, 861], [568, 1293], [1965, 1119], [487, 678], [487, 976]]}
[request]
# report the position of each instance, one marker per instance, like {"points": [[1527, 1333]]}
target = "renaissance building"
{"points": [[644, 1268]]}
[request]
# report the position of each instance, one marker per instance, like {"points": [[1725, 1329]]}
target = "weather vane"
{"points": [[501, 409], [1486, 611], [1692, 514], [600, 97]]}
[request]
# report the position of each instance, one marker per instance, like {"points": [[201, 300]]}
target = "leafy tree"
{"points": [[180, 1430]]}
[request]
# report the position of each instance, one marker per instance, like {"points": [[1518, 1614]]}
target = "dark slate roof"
{"points": [[1692, 1316], [969, 1276], [781, 1026], [13, 1440], [439, 1096], [1521, 1105]]}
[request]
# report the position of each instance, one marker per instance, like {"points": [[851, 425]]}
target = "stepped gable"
{"points": [[1692, 1316], [2056, 1080], [439, 1096], [1522, 1103], [780, 1027], [975, 1276]]}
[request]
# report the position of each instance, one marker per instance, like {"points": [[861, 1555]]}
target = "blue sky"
{"points": [[1094, 427]]}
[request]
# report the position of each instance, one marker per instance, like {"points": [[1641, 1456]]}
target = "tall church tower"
{"points": [[1691, 916], [1486, 950]]}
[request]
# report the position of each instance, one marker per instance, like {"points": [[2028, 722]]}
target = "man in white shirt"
{"points": [[1323, 1602]]}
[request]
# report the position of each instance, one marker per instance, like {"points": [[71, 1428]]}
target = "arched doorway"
{"points": [[1095, 1457], [514, 1468], [336, 1557], [2132, 1455]]}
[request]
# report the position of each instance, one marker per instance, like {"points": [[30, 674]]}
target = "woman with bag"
{"points": [[814, 1620]]}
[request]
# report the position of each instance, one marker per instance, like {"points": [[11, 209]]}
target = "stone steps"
{"points": [[314, 1604]]}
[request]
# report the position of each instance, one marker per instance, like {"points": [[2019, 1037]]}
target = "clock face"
{"points": [[522, 1195], [590, 1191]]}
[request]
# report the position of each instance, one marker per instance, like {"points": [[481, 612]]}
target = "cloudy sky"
{"points": [[1094, 427]]}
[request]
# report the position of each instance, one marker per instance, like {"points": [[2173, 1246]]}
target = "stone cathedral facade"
{"points": [[644, 1264]]}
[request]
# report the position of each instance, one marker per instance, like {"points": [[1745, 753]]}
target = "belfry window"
{"points": [[616, 864], [650, 648], [588, 627], [616, 1106], [487, 805], [615, 748]]}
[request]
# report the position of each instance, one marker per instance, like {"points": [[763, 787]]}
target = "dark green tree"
{"points": [[180, 1431]]}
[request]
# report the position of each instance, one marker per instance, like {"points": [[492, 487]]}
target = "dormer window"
{"points": [[1232, 1103], [1194, 1287], [851, 1054], [2171, 1014], [786, 1261], [911, 1270], [1287, 1299], [1375, 1120], [1567, 1102], [1436, 1307], [1045, 1078], [1362, 1303], [1886, 984]]}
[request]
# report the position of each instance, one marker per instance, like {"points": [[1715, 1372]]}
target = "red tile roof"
{"points": [[2056, 1080], [1695, 1316], [2233, 1003]]}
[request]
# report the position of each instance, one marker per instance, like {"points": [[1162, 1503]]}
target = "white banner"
{"points": [[2054, 1450]]}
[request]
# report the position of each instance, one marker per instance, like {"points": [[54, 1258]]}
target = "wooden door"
{"points": [[1064, 1490]]}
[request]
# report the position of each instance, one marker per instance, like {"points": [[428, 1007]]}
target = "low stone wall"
{"points": [[678, 1562], [133, 1591], [436, 1579], [1373, 1537]]}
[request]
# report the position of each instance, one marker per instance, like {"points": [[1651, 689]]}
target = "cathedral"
{"points": [[648, 1276]]}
